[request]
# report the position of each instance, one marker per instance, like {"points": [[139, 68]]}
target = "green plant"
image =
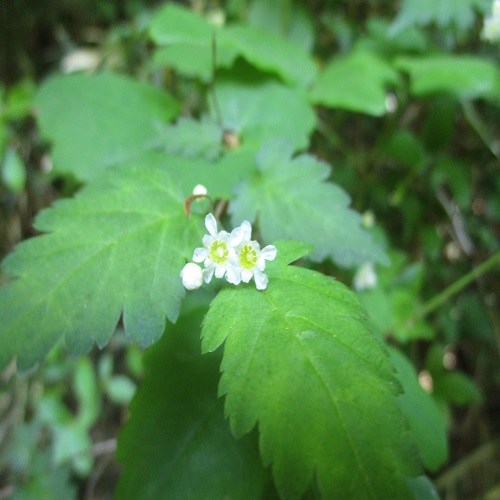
{"points": [[322, 399]]}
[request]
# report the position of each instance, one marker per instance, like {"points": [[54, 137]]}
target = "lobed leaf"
{"points": [[443, 13], [262, 109], [299, 362], [177, 444], [461, 76], [343, 83], [116, 248], [97, 121], [186, 41], [293, 201]]}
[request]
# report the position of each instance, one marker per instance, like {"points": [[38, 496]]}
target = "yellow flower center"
{"points": [[248, 257], [219, 252]]}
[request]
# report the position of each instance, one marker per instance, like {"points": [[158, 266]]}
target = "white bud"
{"points": [[200, 190], [192, 276]]}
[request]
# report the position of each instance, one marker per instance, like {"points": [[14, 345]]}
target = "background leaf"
{"points": [[441, 12], [424, 416], [177, 444], [288, 19], [298, 362], [293, 201], [97, 121], [343, 83], [259, 110], [194, 139], [186, 40], [117, 247], [461, 76]]}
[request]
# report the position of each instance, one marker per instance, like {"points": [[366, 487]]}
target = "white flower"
{"points": [[491, 26], [250, 260], [365, 277], [218, 252], [192, 276]]}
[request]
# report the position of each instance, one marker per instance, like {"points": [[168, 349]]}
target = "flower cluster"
{"points": [[234, 256]]}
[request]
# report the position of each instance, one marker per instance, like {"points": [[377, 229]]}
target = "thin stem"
{"points": [[457, 286], [212, 83], [479, 126]]}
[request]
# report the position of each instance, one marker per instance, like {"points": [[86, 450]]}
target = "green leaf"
{"points": [[294, 201], [441, 12], [455, 387], [177, 444], [270, 52], [194, 139], [291, 20], [219, 177], [45, 480], [423, 415], [343, 83], [97, 121], [261, 109], [19, 100], [463, 76], [188, 39], [86, 391], [186, 42], [116, 248], [120, 389], [299, 362], [13, 171]]}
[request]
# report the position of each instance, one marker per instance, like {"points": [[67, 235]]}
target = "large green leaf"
{"points": [[177, 444], [259, 110], [186, 39], [116, 248], [461, 76], [344, 83], [299, 362], [96, 121], [293, 201]]}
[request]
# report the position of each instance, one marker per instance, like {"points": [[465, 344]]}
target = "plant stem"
{"points": [[479, 126], [457, 286]]}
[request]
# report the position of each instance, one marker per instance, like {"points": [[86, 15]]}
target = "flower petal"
{"points": [[269, 252], [246, 227], [211, 225], [207, 240], [208, 272], [233, 275], [236, 237], [200, 254], [261, 280], [246, 275], [219, 271]]}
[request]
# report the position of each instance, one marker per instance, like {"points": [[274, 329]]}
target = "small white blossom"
{"points": [[192, 276], [491, 26], [218, 251], [200, 190], [250, 260], [365, 277]]}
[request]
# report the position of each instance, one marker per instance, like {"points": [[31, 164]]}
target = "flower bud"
{"points": [[192, 276]]}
